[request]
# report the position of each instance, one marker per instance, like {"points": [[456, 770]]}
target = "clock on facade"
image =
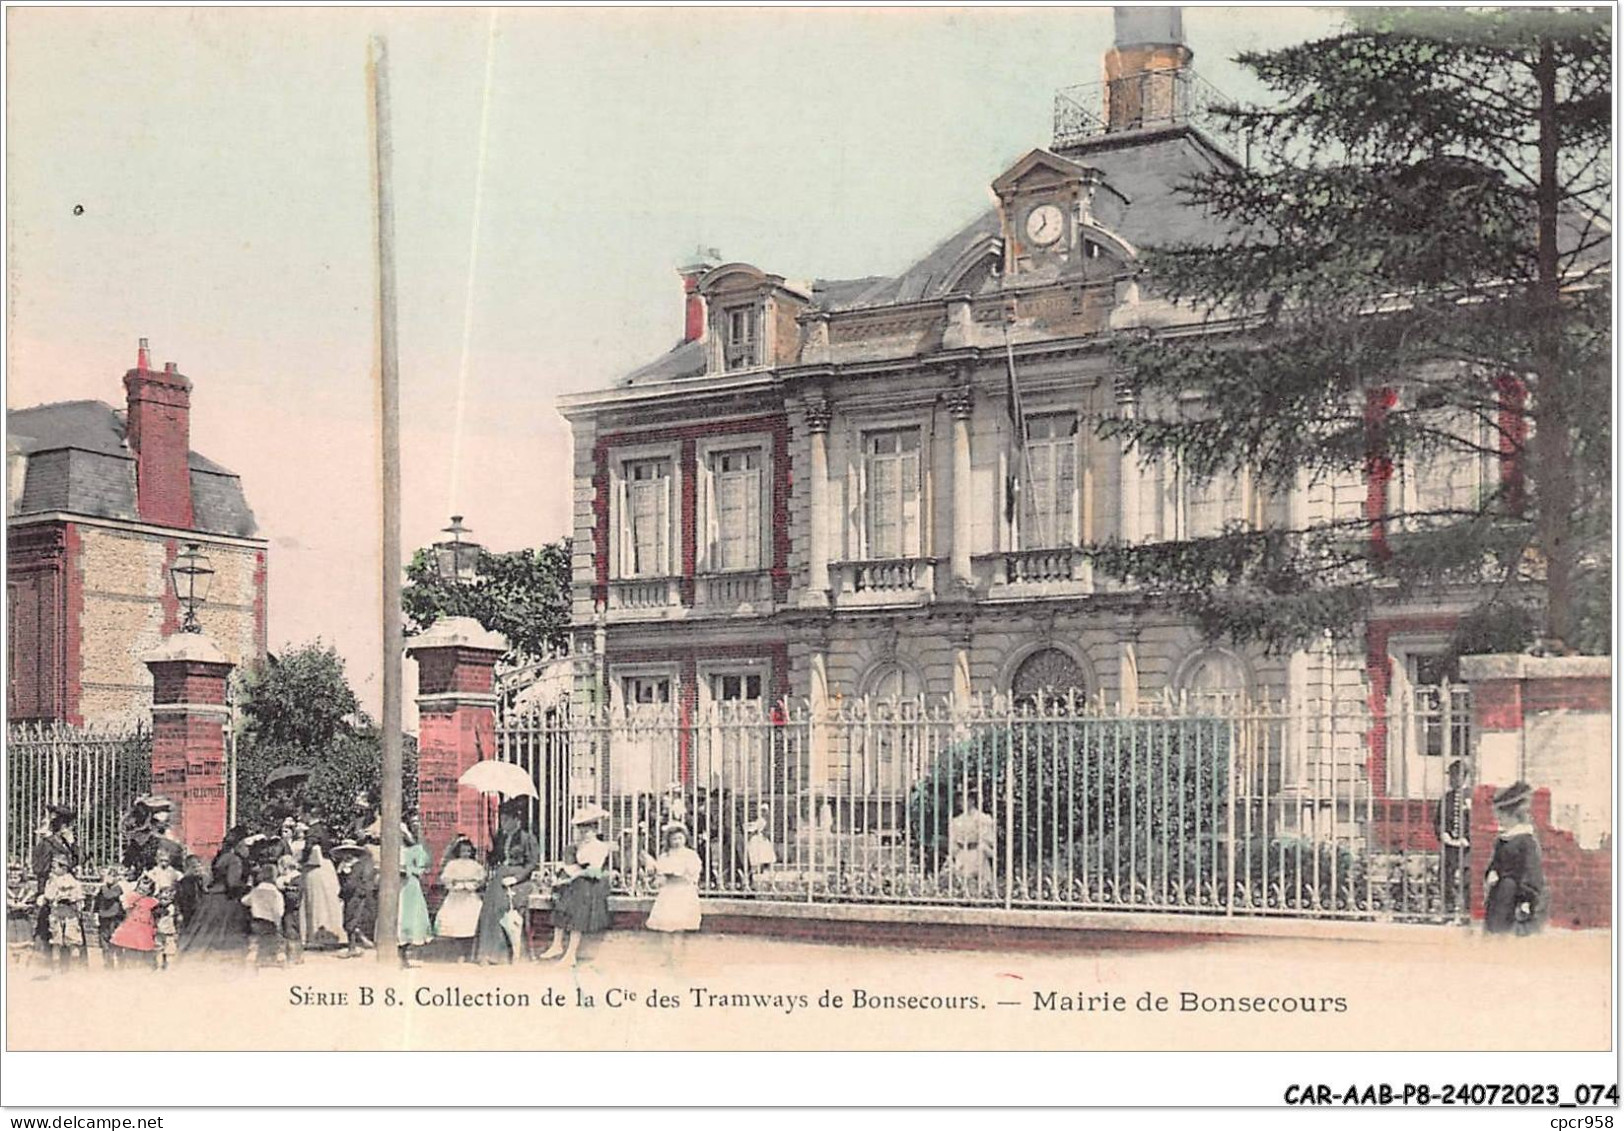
{"points": [[1044, 224]]}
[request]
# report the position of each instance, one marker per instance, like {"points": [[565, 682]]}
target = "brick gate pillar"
{"points": [[456, 709], [1547, 720], [189, 721]]}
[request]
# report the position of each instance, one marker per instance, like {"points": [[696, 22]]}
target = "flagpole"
{"points": [[389, 430], [1017, 414]]}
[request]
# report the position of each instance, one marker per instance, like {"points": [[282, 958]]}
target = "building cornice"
{"points": [[698, 386], [201, 536]]}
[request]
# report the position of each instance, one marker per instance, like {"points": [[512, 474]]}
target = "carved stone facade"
{"points": [[936, 474]]}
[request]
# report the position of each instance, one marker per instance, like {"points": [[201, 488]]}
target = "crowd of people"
{"points": [[271, 895], [297, 884]]}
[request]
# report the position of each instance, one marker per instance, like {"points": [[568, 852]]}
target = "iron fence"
{"points": [[98, 770], [1210, 804]]}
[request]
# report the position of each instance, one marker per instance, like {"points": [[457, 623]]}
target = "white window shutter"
{"points": [[712, 520], [628, 547], [1066, 508], [750, 557], [663, 554], [910, 487]]}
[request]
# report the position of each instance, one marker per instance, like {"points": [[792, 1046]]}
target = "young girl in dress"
{"points": [[137, 934], [459, 911], [415, 927], [265, 908], [581, 900], [759, 853], [676, 907], [63, 898]]}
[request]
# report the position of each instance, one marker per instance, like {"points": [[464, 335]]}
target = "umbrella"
{"points": [[491, 776], [284, 777]]}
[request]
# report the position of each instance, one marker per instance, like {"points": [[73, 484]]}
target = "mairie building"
{"points": [[820, 492]]}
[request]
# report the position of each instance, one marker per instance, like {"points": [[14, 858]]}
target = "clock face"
{"points": [[1044, 224]]}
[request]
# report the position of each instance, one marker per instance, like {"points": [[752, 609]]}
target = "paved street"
{"points": [[1442, 990]]}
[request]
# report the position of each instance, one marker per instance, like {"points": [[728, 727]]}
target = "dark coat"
{"points": [[1516, 901]]}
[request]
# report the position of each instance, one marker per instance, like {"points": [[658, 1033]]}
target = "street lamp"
{"points": [[457, 561], [191, 575]]}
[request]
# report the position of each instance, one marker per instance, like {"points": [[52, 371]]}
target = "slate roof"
{"points": [[1144, 166], [77, 463]]}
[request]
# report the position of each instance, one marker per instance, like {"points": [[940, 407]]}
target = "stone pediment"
{"points": [[1041, 169]]}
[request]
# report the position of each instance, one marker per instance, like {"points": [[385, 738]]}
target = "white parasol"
{"points": [[506, 778]]}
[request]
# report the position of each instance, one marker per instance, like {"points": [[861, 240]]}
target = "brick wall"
{"points": [[1548, 721], [1578, 880]]}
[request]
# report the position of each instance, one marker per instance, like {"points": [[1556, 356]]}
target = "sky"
{"points": [[202, 178]]}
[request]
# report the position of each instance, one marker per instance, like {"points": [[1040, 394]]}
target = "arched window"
{"points": [[1049, 674], [891, 681], [887, 753], [1214, 678]]}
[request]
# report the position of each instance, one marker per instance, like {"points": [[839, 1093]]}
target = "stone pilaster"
{"points": [[961, 404], [818, 415]]}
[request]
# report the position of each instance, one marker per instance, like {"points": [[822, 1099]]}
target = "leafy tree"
{"points": [[522, 594], [1416, 272], [298, 709]]}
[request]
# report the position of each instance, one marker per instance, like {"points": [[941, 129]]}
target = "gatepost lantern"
{"points": [[191, 575], [457, 560]]}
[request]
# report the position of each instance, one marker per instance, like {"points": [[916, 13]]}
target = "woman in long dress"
{"points": [[581, 903], [461, 877], [676, 907], [415, 927], [513, 862], [323, 911], [220, 924]]}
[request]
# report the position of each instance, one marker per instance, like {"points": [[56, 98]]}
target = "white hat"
{"points": [[588, 814]]}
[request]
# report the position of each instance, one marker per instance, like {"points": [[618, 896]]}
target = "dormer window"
{"points": [[742, 339]]}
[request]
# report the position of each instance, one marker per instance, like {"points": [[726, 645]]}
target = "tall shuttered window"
{"points": [[733, 509], [891, 492], [645, 527]]}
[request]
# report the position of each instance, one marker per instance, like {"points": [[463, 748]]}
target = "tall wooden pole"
{"points": [[389, 430]]}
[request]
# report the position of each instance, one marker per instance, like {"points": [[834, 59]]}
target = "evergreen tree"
{"points": [[1417, 274]]}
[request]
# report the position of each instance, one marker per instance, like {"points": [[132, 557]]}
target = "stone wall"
{"points": [[128, 608]]}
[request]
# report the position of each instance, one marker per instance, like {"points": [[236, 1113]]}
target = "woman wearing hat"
{"points": [[147, 834], [513, 860], [416, 929], [221, 921], [581, 901], [1514, 888], [56, 839]]}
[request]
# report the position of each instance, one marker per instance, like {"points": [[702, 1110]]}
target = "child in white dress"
{"points": [[676, 907], [458, 917]]}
